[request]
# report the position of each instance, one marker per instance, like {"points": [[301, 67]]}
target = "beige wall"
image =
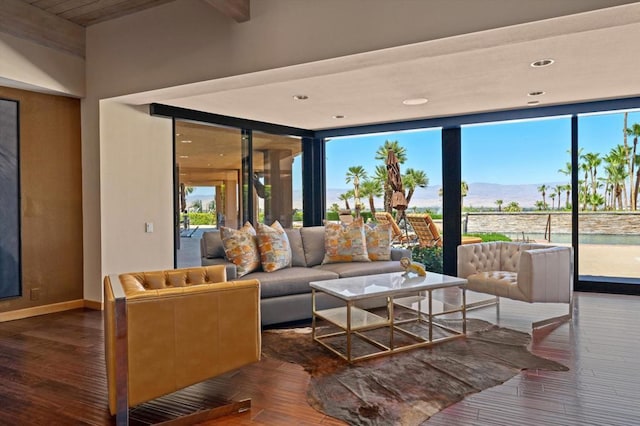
{"points": [[48, 70], [136, 187]]}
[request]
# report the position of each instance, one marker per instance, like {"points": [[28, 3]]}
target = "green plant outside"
{"points": [[430, 257], [200, 219], [489, 236]]}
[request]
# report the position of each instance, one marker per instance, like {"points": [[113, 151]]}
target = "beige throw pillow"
{"points": [[345, 243], [241, 248], [379, 241], [275, 250]]}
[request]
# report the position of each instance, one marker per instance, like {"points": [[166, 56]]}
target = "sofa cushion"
{"points": [[378, 241], [313, 243], [241, 248], [499, 283], [297, 249], [356, 269], [212, 244], [288, 281], [345, 242]]}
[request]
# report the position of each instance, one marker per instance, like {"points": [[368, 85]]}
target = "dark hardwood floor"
{"points": [[52, 373]]}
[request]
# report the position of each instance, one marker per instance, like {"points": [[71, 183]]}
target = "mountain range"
{"points": [[480, 195]]}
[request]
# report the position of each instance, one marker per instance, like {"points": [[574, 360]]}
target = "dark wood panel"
{"points": [[52, 372]]}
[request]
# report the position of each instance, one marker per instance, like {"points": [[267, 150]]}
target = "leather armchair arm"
{"points": [[546, 275]]}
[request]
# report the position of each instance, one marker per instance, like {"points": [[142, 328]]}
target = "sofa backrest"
{"points": [[211, 246], [493, 256], [313, 243]]}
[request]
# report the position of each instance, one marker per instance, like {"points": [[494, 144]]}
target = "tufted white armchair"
{"points": [[520, 271]]}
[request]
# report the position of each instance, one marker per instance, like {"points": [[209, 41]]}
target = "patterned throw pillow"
{"points": [[241, 248], [275, 250], [379, 241], [345, 243]]}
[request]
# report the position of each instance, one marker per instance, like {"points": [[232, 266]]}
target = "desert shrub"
{"points": [[430, 257]]}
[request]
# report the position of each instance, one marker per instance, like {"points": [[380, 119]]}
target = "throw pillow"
{"points": [[275, 250], [241, 248], [345, 243], [379, 241]]}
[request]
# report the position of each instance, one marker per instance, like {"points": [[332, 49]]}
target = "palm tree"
{"points": [[355, 173], [567, 189], [464, 191], [540, 205], [558, 190], [543, 190], [634, 131], [499, 203], [371, 188], [617, 172], [592, 161], [553, 199], [381, 154], [414, 179], [567, 169], [399, 151], [346, 197]]}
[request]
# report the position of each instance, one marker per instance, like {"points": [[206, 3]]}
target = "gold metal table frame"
{"points": [[353, 321]]}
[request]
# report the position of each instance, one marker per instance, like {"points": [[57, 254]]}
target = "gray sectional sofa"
{"points": [[285, 294]]}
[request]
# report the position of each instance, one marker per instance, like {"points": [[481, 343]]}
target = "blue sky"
{"points": [[518, 152]]}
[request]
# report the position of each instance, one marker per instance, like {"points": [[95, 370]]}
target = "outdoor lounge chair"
{"points": [[428, 233], [345, 216], [397, 235]]}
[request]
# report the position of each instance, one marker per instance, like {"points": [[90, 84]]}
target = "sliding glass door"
{"points": [[609, 177]]}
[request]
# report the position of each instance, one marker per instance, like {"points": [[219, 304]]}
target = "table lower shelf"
{"points": [[371, 335]]}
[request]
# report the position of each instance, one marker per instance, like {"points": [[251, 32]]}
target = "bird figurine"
{"points": [[410, 267]]}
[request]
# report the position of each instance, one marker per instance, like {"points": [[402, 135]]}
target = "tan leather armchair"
{"points": [[165, 330]]}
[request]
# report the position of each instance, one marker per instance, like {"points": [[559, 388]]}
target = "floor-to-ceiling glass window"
{"points": [[516, 180], [277, 179], [419, 155], [609, 178], [209, 179]]}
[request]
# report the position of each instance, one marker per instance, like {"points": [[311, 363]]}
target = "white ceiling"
{"points": [[596, 57]]}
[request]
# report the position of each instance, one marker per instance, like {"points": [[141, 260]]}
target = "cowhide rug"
{"points": [[406, 388]]}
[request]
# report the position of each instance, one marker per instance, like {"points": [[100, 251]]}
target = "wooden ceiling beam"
{"points": [[25, 21], [238, 10]]}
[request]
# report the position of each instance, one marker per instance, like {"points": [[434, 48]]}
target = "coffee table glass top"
{"points": [[362, 287]]}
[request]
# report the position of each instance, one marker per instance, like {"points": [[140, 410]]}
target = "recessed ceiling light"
{"points": [[536, 93], [542, 63], [533, 102], [300, 97], [415, 101], [184, 156], [221, 155], [178, 134], [338, 116], [186, 141]]}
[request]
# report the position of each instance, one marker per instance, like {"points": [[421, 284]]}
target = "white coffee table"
{"points": [[415, 293]]}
